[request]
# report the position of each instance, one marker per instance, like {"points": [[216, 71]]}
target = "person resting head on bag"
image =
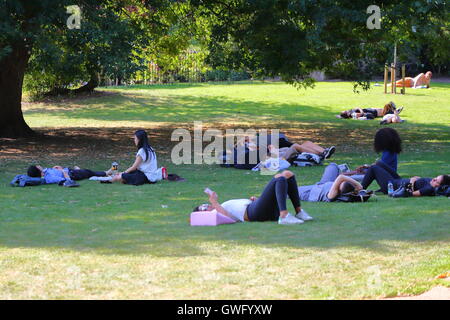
{"points": [[412, 187], [334, 186], [417, 187]]}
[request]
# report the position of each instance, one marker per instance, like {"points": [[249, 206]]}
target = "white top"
{"points": [[236, 208], [149, 166]]}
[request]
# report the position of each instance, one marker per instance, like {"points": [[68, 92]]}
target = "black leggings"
{"points": [[80, 174], [382, 174], [273, 199]]}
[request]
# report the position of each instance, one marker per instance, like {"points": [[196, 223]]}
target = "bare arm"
{"points": [[334, 191], [413, 180], [135, 165], [216, 205], [418, 80]]}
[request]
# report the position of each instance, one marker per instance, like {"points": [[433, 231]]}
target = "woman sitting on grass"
{"points": [[270, 206], [145, 167], [388, 142]]}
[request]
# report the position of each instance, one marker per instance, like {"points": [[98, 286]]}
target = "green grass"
{"points": [[118, 241]]}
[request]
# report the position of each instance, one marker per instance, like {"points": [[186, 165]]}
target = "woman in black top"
{"points": [[421, 186]]}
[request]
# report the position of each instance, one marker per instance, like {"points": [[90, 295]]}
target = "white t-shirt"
{"points": [[236, 208], [149, 166]]}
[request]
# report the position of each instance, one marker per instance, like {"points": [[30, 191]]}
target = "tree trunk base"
{"points": [[87, 88], [17, 131]]}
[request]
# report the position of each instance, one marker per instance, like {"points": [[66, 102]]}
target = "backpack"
{"points": [[247, 155], [360, 196], [303, 157], [23, 180]]}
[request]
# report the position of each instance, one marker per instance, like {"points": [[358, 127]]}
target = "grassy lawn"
{"points": [[124, 242]]}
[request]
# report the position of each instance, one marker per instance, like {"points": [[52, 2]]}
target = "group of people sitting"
{"points": [[271, 205], [389, 113]]}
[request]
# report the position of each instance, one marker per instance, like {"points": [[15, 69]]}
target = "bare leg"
{"points": [[312, 147], [395, 118], [302, 148]]}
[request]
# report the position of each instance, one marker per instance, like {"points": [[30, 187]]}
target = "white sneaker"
{"points": [[289, 219], [303, 215]]}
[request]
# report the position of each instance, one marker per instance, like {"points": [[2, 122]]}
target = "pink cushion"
{"points": [[209, 218]]}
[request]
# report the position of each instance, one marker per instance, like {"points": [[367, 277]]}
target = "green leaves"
{"points": [[293, 38]]}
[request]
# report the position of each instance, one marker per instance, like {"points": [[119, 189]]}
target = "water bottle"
{"points": [[390, 189], [114, 168]]}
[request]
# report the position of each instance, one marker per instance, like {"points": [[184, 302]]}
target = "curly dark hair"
{"points": [[387, 139]]}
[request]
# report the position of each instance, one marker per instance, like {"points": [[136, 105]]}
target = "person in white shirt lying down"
{"points": [[270, 206]]}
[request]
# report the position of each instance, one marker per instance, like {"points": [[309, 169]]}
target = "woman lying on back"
{"points": [[270, 206]]}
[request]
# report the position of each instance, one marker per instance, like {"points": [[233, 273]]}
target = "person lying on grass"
{"points": [[330, 187], [371, 113], [392, 118], [59, 174], [145, 167], [416, 82], [420, 186], [270, 206], [288, 149]]}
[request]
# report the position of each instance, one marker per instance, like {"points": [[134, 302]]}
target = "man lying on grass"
{"points": [[270, 206], [63, 176]]}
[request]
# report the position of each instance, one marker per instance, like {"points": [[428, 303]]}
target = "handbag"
{"points": [[404, 191], [355, 196]]}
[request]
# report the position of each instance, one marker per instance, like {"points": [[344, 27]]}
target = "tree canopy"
{"points": [[285, 38]]}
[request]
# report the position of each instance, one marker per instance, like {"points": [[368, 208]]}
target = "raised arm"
{"points": [[334, 191], [216, 205]]}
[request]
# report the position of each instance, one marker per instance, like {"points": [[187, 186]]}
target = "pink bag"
{"points": [[209, 218]]}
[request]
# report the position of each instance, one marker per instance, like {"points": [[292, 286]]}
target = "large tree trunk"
{"points": [[90, 86], [12, 70], [87, 88]]}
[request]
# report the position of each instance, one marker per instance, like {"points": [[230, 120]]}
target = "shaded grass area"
{"points": [[117, 241]]}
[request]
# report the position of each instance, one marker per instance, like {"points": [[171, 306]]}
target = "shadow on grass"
{"points": [[127, 220], [300, 121]]}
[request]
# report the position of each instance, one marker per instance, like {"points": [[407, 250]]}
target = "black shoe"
{"points": [[383, 122], [329, 152], [399, 110]]}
